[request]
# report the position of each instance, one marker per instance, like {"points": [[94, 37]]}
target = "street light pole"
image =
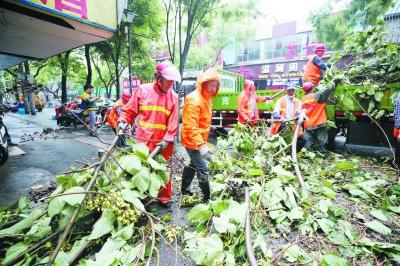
{"points": [[129, 16], [130, 57]]}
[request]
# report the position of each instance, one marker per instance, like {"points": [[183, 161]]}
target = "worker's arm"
{"points": [[172, 126], [396, 114], [318, 61], [277, 109], [322, 96], [130, 110]]}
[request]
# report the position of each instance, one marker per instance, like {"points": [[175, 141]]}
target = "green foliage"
{"points": [[372, 62], [110, 213], [331, 28], [327, 225]]}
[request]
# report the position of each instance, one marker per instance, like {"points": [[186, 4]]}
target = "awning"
{"points": [[39, 29]]}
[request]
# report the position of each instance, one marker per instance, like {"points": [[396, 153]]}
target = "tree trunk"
{"points": [[89, 65], [117, 84], [64, 60]]}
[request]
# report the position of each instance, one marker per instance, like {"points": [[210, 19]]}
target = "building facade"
{"points": [[275, 59]]}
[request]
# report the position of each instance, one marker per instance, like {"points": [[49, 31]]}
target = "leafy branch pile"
{"points": [[348, 214], [370, 60], [111, 228]]}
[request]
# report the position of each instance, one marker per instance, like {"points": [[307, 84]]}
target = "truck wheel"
{"points": [[3, 155], [332, 132]]}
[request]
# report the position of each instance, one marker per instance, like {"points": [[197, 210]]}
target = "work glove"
{"points": [[276, 116], [163, 144], [206, 153], [122, 127]]}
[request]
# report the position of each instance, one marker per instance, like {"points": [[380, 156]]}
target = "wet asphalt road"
{"points": [[44, 156]]}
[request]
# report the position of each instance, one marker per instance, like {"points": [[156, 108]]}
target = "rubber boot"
{"points": [[187, 178], [205, 188]]}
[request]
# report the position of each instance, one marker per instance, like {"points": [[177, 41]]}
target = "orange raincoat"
{"points": [[156, 114], [197, 113], [246, 110]]}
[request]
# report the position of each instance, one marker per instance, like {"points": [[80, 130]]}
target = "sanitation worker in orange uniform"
{"points": [[247, 103], [196, 119], [315, 67], [115, 113], [154, 109], [314, 105]]}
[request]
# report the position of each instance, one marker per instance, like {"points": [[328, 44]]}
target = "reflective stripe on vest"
{"points": [[152, 125], [312, 72], [155, 108], [315, 111]]}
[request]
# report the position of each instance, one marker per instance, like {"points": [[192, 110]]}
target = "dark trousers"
{"points": [[197, 165], [397, 152]]}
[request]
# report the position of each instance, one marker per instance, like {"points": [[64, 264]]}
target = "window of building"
{"points": [[249, 52], [288, 47]]}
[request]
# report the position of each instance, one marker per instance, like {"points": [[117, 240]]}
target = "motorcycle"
{"points": [[5, 138], [71, 114]]}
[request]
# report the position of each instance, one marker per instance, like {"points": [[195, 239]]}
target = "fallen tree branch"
{"points": [[88, 188]]}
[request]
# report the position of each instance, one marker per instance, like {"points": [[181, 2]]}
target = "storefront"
{"points": [[272, 76]]}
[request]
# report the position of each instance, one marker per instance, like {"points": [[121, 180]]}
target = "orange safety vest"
{"points": [[396, 132], [315, 111], [312, 72], [275, 128]]}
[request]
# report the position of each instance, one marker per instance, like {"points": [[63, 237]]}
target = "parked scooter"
{"points": [[5, 139], [71, 114]]}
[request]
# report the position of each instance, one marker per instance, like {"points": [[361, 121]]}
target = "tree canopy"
{"points": [[331, 28]]}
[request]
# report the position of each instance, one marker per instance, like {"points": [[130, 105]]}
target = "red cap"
{"points": [[168, 71], [308, 85], [320, 47]]}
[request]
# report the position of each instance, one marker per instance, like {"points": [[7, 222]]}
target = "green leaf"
{"points": [[23, 204], [131, 196], [326, 225], [141, 150], [14, 251], [348, 104], [296, 214], [104, 225], [56, 205], [156, 165], [283, 175], [260, 242], [40, 229], [378, 227], [204, 250], [20, 226], [294, 254], [359, 193], [199, 214], [222, 225], [141, 180], [156, 182], [333, 260], [338, 238], [74, 199], [378, 214], [255, 172], [130, 163], [345, 165], [329, 193], [378, 96], [110, 251]]}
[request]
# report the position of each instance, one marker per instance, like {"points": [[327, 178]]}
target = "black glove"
{"points": [[163, 144]]}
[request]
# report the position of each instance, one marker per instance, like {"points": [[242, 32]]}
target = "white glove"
{"points": [[122, 127], [206, 153], [163, 144], [204, 150]]}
